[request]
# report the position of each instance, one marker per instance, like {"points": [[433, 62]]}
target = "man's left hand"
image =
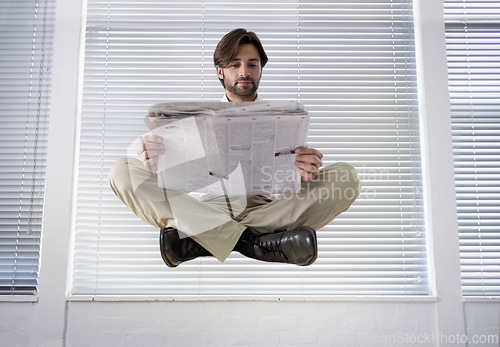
{"points": [[308, 162]]}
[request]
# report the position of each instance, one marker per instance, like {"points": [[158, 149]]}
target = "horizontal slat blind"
{"points": [[352, 64], [26, 31], [473, 45]]}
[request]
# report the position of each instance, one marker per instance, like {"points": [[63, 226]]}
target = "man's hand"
{"points": [[308, 162], [150, 148]]}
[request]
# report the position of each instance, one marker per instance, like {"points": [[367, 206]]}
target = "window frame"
{"points": [[59, 137], [222, 91]]}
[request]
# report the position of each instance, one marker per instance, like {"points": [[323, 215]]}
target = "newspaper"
{"points": [[231, 149]]}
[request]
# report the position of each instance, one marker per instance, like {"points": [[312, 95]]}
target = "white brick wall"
{"points": [[483, 322], [244, 323], [217, 324]]}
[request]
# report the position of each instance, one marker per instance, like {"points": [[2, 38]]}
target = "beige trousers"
{"points": [[208, 220]]}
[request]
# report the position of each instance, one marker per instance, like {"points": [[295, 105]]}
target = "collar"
{"points": [[224, 98]]}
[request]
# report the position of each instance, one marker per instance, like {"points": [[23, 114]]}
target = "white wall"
{"points": [[245, 323], [53, 321], [339, 323]]}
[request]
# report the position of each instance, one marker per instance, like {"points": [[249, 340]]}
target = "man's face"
{"points": [[242, 75]]}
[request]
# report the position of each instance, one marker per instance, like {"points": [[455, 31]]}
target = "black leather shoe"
{"points": [[175, 250], [298, 246]]}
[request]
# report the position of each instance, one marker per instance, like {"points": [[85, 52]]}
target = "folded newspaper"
{"points": [[242, 148]]}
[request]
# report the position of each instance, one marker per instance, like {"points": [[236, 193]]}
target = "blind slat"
{"points": [[26, 34], [473, 46]]}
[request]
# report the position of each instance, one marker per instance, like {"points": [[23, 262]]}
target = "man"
{"points": [[273, 229]]}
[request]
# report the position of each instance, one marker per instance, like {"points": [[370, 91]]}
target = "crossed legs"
{"points": [[208, 221]]}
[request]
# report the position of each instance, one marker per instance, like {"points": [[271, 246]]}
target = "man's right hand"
{"points": [[150, 148]]}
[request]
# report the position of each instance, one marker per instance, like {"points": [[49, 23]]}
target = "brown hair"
{"points": [[228, 47]]}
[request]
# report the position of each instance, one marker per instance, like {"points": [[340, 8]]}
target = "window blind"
{"points": [[352, 64], [26, 31], [473, 46]]}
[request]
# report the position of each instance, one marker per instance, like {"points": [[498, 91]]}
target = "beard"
{"points": [[243, 92]]}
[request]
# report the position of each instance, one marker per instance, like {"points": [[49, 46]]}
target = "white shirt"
{"points": [[225, 99]]}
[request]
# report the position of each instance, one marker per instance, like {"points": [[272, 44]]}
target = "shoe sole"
{"points": [[315, 242], [163, 253]]}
